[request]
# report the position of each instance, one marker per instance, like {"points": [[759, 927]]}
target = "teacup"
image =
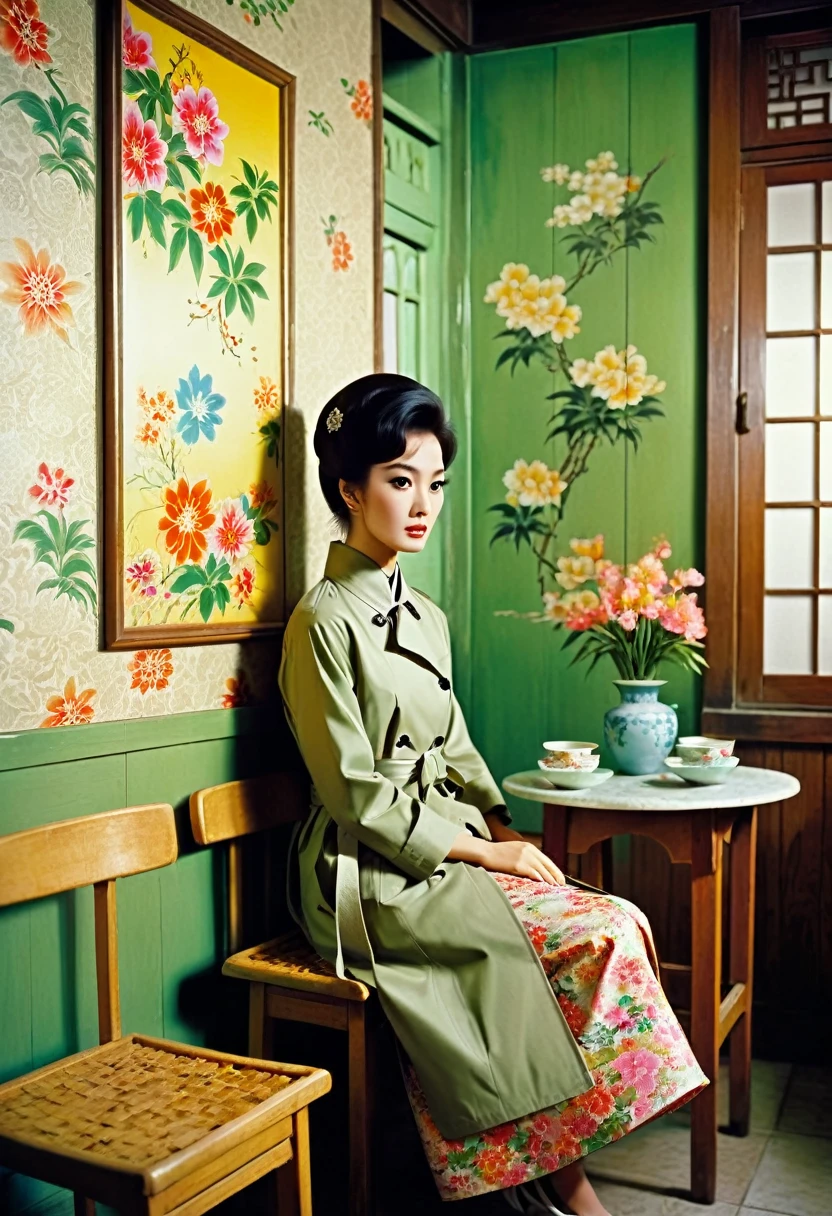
{"points": [[700, 749], [570, 754]]}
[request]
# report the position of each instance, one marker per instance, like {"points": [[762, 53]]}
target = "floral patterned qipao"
{"points": [[594, 949]]}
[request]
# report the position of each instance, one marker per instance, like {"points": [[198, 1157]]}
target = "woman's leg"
{"points": [[574, 1189]]}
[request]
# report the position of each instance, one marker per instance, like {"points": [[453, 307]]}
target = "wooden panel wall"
{"points": [[637, 95]]}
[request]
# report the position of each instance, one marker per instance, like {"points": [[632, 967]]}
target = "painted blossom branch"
{"points": [[607, 396]]}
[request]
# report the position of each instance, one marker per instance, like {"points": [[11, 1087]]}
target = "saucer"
{"points": [[703, 774], [573, 779]]}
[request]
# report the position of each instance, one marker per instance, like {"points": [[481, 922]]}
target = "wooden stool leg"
{"points": [[706, 931], [293, 1181], [742, 855], [360, 1099], [260, 1026], [83, 1206]]}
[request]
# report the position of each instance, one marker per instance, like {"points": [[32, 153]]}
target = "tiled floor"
{"points": [[783, 1166]]}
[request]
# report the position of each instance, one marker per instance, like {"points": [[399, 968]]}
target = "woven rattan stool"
{"points": [[145, 1125], [287, 978]]}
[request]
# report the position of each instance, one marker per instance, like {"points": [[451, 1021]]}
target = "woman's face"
{"points": [[402, 499]]}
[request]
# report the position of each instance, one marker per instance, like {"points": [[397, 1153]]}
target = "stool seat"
{"points": [[148, 1117], [289, 961]]}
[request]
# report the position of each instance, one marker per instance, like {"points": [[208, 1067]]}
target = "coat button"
{"points": [[378, 619], [444, 683]]}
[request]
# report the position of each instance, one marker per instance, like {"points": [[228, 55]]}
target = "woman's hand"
{"points": [[521, 858], [498, 829], [518, 857]]}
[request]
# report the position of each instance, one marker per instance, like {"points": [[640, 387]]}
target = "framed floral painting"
{"points": [[196, 222]]}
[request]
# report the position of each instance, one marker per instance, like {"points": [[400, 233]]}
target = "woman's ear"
{"points": [[348, 495]]}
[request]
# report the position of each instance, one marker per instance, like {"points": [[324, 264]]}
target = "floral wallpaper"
{"points": [[54, 670]]}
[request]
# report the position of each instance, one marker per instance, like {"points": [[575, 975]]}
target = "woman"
{"points": [[529, 1009]]}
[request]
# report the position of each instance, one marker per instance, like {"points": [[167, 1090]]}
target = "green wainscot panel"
{"points": [[172, 933]]}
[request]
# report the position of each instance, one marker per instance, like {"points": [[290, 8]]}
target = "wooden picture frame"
{"points": [[196, 287]]}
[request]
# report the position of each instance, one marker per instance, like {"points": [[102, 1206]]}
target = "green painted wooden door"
{"points": [[412, 275]]}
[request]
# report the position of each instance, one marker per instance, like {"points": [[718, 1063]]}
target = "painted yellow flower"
{"points": [[511, 277], [583, 600], [618, 377], [566, 323], [602, 163], [598, 190], [553, 607], [590, 547], [581, 372], [528, 302], [559, 174], [533, 485], [574, 571], [561, 217], [570, 607]]}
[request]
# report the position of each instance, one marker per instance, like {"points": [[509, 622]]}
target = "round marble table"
{"points": [[659, 791], [691, 822]]}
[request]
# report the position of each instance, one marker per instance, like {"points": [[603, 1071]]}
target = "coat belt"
{"points": [[426, 771]]}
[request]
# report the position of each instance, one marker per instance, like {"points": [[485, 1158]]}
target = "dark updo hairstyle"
{"points": [[377, 412]]}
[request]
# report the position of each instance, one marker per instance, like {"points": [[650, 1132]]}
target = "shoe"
{"points": [[544, 1203], [529, 1201]]}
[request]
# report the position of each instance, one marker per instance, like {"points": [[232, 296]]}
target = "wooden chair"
{"points": [[145, 1125], [287, 978]]}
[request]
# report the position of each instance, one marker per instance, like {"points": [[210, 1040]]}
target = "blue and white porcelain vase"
{"points": [[640, 732]]}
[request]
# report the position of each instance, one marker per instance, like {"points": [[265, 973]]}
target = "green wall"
{"points": [[172, 922], [638, 95]]}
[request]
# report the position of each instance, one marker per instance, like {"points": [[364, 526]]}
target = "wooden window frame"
{"points": [[753, 685], [730, 707]]}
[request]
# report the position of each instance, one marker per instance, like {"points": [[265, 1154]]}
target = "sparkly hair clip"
{"points": [[334, 419]]}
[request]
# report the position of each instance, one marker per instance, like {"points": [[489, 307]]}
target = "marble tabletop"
{"points": [[745, 786]]}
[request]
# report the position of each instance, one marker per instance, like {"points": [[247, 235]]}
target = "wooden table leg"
{"points": [[742, 859], [706, 932], [555, 832]]}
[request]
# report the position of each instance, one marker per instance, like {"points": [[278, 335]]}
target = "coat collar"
{"points": [[360, 575], [365, 579]]}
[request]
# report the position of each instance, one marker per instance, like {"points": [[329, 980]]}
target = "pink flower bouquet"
{"points": [[637, 614]]}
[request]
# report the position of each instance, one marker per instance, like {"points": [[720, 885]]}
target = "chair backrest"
{"points": [[94, 851], [237, 809]]}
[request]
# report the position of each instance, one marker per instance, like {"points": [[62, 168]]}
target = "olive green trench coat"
{"points": [[395, 778]]}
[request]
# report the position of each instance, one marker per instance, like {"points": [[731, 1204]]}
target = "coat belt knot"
{"points": [[426, 771]]}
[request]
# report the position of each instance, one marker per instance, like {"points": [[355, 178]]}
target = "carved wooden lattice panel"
{"points": [[799, 86]]}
